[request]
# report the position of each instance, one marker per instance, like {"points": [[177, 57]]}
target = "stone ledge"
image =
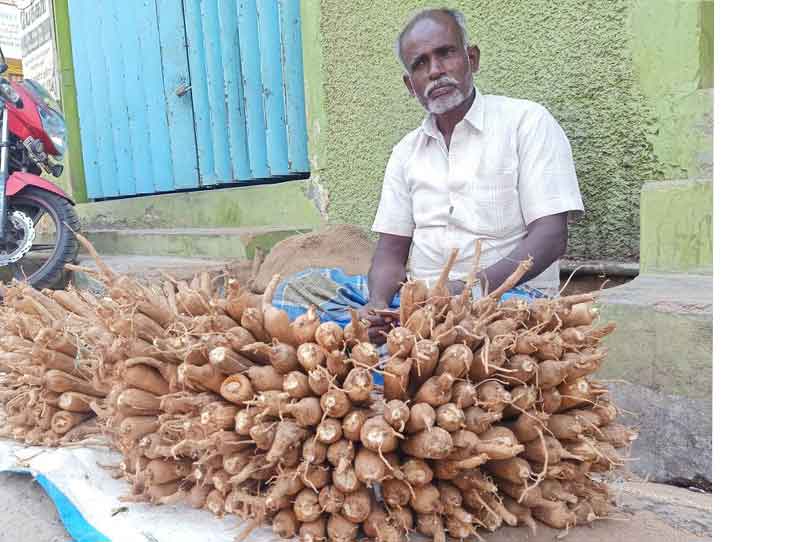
{"points": [[675, 435], [664, 336], [237, 207], [151, 268], [681, 293], [191, 242]]}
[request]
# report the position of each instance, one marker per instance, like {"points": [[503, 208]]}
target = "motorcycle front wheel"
{"points": [[51, 239]]}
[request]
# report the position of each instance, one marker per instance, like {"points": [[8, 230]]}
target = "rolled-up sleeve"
{"points": [[547, 182], [395, 211]]}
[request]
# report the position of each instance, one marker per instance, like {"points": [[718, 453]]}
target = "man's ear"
{"points": [[408, 85], [474, 58]]}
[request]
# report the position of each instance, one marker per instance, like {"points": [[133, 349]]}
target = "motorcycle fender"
{"points": [[19, 180]]}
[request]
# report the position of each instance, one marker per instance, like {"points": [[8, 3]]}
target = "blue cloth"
{"points": [[333, 292]]}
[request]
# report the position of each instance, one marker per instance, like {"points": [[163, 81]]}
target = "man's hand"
{"points": [[385, 275], [378, 324]]}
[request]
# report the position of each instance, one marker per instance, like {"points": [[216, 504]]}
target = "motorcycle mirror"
{"points": [[3, 65]]}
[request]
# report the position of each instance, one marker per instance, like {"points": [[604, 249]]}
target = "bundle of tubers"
{"points": [[488, 414]]}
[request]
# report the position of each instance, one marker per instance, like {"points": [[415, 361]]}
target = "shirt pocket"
{"points": [[496, 208]]}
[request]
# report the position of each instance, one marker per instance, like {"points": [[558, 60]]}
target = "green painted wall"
{"points": [[677, 227], [73, 178], [591, 63], [673, 47], [313, 83], [314, 90]]}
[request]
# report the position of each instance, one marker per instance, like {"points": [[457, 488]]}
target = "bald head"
{"points": [[442, 16]]}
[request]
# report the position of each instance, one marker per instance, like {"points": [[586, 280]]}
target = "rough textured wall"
{"points": [[573, 57]]}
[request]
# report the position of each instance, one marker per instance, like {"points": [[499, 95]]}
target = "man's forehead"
{"points": [[430, 32]]}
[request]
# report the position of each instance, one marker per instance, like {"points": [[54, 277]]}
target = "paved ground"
{"points": [[648, 513], [26, 512]]}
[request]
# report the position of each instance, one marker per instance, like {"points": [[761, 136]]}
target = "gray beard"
{"points": [[446, 103]]}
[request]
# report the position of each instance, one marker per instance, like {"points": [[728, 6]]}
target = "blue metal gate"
{"points": [[182, 94]]}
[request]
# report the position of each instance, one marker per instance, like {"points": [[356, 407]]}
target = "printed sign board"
{"points": [[37, 42], [9, 31]]}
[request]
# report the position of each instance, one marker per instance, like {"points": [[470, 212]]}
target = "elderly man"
{"points": [[480, 167]]}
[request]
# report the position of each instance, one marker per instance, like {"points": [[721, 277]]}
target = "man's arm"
{"points": [[546, 241], [387, 271], [394, 222], [385, 275]]}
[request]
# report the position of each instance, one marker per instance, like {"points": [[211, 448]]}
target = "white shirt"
{"points": [[508, 164]]}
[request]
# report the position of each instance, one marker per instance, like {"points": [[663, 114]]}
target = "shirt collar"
{"points": [[476, 113], [474, 116]]}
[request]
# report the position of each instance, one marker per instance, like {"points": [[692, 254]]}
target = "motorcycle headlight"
{"points": [[8, 92], [55, 126], [51, 118]]}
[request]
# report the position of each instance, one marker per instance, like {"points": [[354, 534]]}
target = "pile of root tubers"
{"points": [[48, 390], [487, 415]]}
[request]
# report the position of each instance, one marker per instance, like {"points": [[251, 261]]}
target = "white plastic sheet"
{"points": [[89, 488]]}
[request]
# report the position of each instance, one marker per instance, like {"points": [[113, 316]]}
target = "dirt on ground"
{"points": [[336, 245]]}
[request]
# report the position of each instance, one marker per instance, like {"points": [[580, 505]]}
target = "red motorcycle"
{"points": [[37, 219]]}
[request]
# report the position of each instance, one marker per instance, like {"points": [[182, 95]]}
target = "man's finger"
{"points": [[378, 333], [375, 320]]}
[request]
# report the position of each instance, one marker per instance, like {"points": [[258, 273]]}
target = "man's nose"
{"points": [[436, 68]]}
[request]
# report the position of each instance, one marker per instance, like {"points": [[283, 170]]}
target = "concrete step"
{"points": [[190, 242], [149, 266]]}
